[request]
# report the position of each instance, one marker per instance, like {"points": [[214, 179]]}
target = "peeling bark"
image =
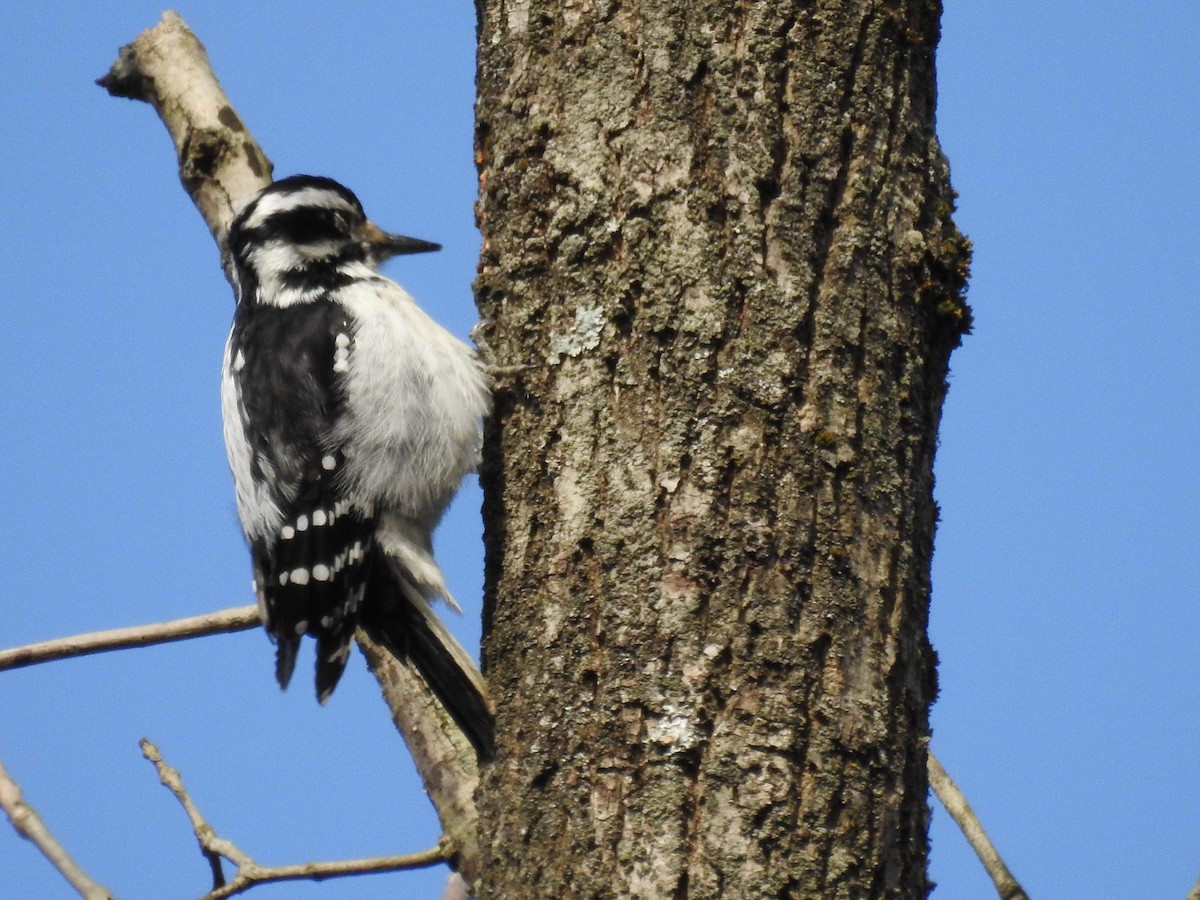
{"points": [[720, 234]]}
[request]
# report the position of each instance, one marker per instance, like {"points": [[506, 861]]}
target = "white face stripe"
{"points": [[281, 255], [272, 204]]}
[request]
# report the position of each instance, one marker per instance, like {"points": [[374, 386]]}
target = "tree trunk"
{"points": [[719, 234]]}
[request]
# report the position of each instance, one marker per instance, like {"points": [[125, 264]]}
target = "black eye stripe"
{"points": [[306, 225], [302, 225]]}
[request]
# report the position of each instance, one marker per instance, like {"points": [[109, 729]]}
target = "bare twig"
{"points": [[1194, 893], [956, 804], [220, 165], [250, 873], [29, 825], [238, 618]]}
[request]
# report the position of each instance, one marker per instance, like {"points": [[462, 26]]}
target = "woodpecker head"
{"points": [[306, 233]]}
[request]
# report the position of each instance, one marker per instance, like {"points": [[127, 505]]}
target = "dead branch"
{"points": [[249, 873], [30, 826], [239, 618], [220, 163], [443, 756], [956, 804]]}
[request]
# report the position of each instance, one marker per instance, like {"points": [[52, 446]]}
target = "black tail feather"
{"points": [[286, 648], [333, 650], [397, 615]]}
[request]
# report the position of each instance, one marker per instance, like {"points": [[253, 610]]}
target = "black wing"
{"points": [[312, 572]]}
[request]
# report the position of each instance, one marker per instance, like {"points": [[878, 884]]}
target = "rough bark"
{"points": [[719, 233]]}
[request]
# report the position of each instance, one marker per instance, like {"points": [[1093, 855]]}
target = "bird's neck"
{"points": [[304, 281]]}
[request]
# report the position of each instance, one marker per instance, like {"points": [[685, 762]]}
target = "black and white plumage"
{"points": [[350, 419]]}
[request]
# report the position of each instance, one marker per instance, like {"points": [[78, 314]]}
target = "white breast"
{"points": [[415, 399]]}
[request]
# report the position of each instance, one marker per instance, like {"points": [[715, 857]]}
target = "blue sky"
{"points": [[1065, 587]]}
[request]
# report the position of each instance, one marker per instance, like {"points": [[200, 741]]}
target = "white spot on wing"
{"points": [[320, 572], [319, 518], [287, 532], [328, 463], [302, 523], [300, 576], [341, 355]]}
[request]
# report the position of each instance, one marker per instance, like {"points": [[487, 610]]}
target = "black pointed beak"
{"points": [[385, 245]]}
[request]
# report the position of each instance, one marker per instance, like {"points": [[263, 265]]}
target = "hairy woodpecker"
{"points": [[350, 418]]}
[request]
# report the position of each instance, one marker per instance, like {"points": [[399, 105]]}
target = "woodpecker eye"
{"points": [[308, 225]]}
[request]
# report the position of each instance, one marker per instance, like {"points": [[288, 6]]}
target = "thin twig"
{"points": [[960, 810], [1194, 893], [29, 825], [250, 873], [239, 618]]}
